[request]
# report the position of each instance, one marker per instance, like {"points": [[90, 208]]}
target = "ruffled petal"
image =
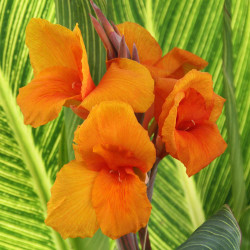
{"points": [[126, 81], [163, 87], [200, 146], [101, 141], [167, 126], [192, 110], [87, 82], [70, 210], [42, 99], [176, 63], [184, 123], [148, 48], [121, 203], [199, 81], [217, 108], [52, 45]]}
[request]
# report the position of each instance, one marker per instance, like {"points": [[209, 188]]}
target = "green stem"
{"points": [[238, 183], [31, 156]]}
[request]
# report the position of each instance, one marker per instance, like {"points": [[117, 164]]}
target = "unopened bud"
{"points": [[135, 55]]}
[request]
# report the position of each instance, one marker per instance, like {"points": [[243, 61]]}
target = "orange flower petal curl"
{"points": [[52, 45], [87, 82], [177, 62], [121, 203], [126, 81], [163, 87], [186, 122], [199, 81], [54, 49], [101, 141], [42, 99], [70, 210], [217, 109]]}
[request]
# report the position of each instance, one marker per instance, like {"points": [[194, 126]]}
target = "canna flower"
{"points": [[130, 40], [187, 119], [175, 64], [185, 106], [62, 77], [104, 187]]}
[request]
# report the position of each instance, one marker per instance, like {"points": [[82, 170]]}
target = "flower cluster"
{"points": [[105, 186]]}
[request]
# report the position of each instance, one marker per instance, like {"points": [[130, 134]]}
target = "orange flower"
{"points": [[62, 78], [104, 187], [187, 120], [174, 64]]}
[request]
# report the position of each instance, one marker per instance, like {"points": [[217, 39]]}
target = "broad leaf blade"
{"points": [[28, 157], [245, 229], [221, 231], [238, 183]]}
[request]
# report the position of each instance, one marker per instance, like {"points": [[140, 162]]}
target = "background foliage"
{"points": [[180, 204]]}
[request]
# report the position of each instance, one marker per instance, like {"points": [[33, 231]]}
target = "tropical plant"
{"points": [[30, 158]]}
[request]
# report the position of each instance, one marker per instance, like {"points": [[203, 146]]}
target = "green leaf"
{"points": [[238, 183], [245, 229], [221, 231], [181, 204], [28, 159]]}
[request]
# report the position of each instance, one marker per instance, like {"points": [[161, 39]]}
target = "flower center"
{"points": [[192, 111], [116, 157], [186, 125], [76, 86]]}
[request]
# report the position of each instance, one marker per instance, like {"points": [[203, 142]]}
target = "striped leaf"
{"points": [[221, 231], [245, 229], [28, 161], [238, 186]]}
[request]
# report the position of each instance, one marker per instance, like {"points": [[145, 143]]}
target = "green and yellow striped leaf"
{"points": [[221, 231], [29, 157]]}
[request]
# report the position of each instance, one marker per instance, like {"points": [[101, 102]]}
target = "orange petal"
{"points": [[200, 146], [127, 81], [163, 87], [70, 210], [42, 99], [80, 111], [121, 203], [112, 137], [148, 116], [167, 126], [217, 109], [192, 110], [52, 45], [187, 133], [199, 81], [148, 49], [177, 62], [87, 82]]}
